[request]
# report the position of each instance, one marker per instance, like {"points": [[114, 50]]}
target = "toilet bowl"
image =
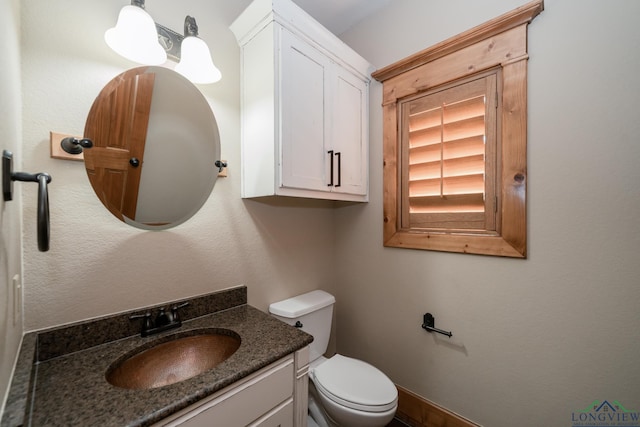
{"points": [[343, 391], [353, 393]]}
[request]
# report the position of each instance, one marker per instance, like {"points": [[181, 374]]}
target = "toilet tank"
{"points": [[314, 311]]}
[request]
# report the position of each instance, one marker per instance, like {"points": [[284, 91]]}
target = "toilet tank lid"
{"points": [[302, 304]]}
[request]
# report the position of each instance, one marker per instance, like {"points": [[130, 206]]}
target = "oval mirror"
{"points": [[155, 145]]}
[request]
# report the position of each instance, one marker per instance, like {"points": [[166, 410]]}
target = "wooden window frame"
{"points": [[501, 42]]}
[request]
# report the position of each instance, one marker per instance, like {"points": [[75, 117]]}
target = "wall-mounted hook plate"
{"points": [[222, 172], [55, 140]]}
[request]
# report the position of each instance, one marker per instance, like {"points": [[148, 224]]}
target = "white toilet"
{"points": [[343, 392]]}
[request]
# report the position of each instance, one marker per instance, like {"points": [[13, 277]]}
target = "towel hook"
{"points": [[73, 145], [42, 178]]}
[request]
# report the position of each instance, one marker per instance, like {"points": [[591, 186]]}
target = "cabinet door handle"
{"points": [[339, 156], [330, 152]]}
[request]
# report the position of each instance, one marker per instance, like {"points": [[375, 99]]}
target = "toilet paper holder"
{"points": [[428, 324]]}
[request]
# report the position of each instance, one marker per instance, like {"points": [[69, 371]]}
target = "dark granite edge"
{"points": [[79, 336], [20, 388]]}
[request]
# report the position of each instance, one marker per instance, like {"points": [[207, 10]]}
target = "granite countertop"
{"points": [[71, 389]]}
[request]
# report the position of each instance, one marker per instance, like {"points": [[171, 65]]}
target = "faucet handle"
{"points": [[146, 322], [174, 311]]}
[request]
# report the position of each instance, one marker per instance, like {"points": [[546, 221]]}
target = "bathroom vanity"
{"points": [[60, 377], [266, 398]]}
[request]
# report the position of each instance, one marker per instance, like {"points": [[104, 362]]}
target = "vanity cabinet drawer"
{"points": [[282, 416], [262, 399]]}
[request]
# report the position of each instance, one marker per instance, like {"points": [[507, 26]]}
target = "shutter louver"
{"points": [[447, 155]]}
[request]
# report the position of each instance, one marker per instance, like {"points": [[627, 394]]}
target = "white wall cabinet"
{"points": [[305, 115], [275, 396]]}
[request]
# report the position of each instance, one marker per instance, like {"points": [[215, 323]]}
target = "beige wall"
{"points": [[533, 340], [97, 265], [10, 224]]}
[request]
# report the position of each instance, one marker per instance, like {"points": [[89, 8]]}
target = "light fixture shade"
{"points": [[135, 37], [196, 63]]}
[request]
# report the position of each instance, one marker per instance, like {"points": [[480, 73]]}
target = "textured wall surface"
{"points": [[96, 264], [10, 224], [534, 340]]}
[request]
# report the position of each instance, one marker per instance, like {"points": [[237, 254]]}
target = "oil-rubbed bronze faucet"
{"points": [[163, 321]]}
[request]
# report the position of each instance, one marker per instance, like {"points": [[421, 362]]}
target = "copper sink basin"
{"points": [[169, 362]]}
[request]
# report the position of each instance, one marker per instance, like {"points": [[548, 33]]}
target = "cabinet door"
{"points": [[349, 132], [302, 107], [268, 391]]}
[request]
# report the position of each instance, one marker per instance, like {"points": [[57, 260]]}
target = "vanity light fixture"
{"points": [[136, 39], [196, 63], [135, 36]]}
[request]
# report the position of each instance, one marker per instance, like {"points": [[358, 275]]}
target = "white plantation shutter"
{"points": [[448, 158]]}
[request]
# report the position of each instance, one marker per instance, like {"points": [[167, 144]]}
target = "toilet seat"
{"points": [[355, 384]]}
